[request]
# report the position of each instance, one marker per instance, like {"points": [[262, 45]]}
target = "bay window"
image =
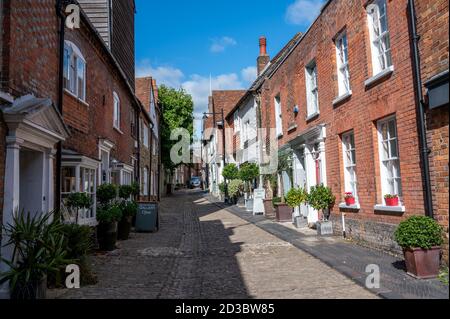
{"points": [[389, 157], [379, 36]]}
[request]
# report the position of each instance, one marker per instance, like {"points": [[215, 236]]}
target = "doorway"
{"points": [[32, 182]]}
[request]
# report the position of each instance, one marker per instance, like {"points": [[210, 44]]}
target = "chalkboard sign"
{"points": [[147, 219]]}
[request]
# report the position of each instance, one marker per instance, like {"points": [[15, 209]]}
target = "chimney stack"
{"points": [[263, 58]]}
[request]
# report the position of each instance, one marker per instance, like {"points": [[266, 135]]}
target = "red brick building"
{"points": [[432, 29], [147, 92], [343, 101]]}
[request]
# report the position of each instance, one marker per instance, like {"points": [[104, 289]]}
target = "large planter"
{"points": [[249, 205], [124, 228], [268, 207], [324, 228], [392, 202], [422, 263], [33, 290], [283, 213], [107, 236]]}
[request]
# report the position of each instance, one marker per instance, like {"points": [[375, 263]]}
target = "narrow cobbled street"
{"points": [[202, 251]]}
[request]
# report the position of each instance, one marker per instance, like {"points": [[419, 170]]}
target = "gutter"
{"points": [[420, 103]]}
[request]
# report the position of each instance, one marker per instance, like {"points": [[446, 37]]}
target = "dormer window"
{"points": [[74, 71]]}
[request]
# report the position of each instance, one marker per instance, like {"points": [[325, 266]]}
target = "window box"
{"points": [[380, 76]]}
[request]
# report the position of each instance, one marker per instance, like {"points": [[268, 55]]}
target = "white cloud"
{"points": [[166, 75], [249, 74], [220, 44], [303, 12]]}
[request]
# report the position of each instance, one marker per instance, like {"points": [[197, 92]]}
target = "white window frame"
{"points": [[116, 111], [278, 116], [342, 64], [379, 40], [145, 136], [237, 122], [145, 189], [350, 173], [312, 90], [390, 173], [74, 80]]}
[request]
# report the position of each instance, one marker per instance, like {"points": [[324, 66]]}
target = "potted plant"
{"points": [[284, 166], [421, 238], [230, 172], [108, 218], [248, 173], [38, 250], [234, 189], [295, 197], [349, 199], [391, 200], [321, 198], [129, 211], [77, 201]]}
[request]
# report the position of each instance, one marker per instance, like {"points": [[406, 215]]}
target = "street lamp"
{"points": [[220, 124]]}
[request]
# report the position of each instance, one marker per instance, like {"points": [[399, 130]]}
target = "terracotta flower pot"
{"points": [[392, 201], [283, 212], [422, 263], [350, 201]]}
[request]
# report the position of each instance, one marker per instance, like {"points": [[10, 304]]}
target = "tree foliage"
{"points": [[419, 232], [230, 172], [177, 112]]}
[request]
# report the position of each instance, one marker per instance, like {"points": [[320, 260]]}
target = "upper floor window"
{"points": [[389, 157], [342, 64], [74, 70], [348, 143], [278, 116], [237, 122], [379, 36], [145, 135], [312, 88], [116, 115]]}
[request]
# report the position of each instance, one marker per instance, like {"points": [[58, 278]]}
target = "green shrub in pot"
{"points": [[235, 188], [419, 232], [129, 211], [321, 198], [106, 193], [296, 196], [77, 201], [421, 238], [108, 217]]}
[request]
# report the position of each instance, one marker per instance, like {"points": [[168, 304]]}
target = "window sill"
{"points": [[280, 135], [76, 97], [292, 127], [352, 207], [395, 209], [342, 98], [383, 74], [118, 130], [312, 116]]}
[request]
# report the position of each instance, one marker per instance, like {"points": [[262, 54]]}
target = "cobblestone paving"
{"points": [[203, 251]]}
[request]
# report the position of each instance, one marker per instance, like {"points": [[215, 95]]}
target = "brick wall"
{"points": [[93, 120], [393, 95], [432, 27]]}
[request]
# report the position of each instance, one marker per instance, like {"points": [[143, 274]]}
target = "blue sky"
{"points": [[181, 43]]}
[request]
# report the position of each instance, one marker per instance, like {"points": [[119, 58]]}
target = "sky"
{"points": [[184, 44]]}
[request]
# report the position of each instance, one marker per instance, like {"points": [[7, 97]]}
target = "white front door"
{"points": [[33, 179]]}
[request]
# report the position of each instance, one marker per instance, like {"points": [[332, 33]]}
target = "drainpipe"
{"points": [[62, 19], [424, 151]]}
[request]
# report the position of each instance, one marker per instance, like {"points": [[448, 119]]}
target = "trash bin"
{"points": [[147, 218]]}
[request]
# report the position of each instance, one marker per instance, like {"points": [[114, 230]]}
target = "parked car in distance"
{"points": [[195, 182]]}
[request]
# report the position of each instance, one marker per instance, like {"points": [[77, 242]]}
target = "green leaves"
{"points": [[109, 214], [230, 172], [235, 187], [129, 209], [419, 232], [178, 112], [79, 201], [248, 172], [296, 196], [106, 193], [321, 197]]}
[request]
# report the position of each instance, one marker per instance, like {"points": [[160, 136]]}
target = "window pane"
{"points": [[69, 180], [384, 132], [394, 148]]}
